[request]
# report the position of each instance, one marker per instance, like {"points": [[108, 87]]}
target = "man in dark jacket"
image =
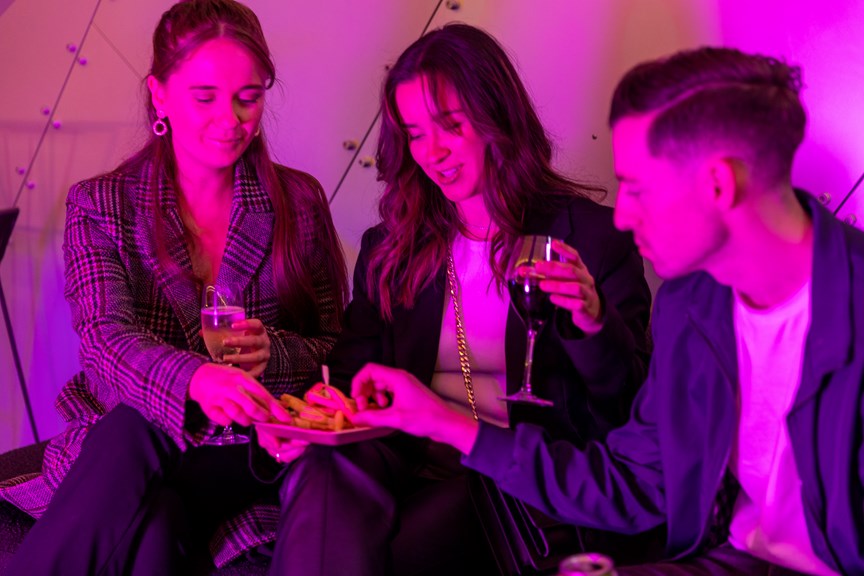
{"points": [[746, 439]]}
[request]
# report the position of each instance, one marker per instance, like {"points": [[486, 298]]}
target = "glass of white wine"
{"points": [[222, 306]]}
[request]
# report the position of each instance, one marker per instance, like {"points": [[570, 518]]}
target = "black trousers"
{"points": [[375, 508], [722, 561], [133, 503]]}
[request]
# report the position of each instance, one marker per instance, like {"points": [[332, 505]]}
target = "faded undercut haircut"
{"points": [[718, 98]]}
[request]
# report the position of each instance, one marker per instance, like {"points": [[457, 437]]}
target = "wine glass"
{"points": [[530, 302], [221, 306]]}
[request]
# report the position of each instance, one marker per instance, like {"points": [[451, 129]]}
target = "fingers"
{"points": [[268, 441], [249, 342], [278, 411], [250, 358], [256, 409], [590, 308], [254, 345], [283, 451], [563, 271], [386, 418], [240, 397], [291, 452], [568, 253], [247, 356], [573, 289], [217, 415], [250, 325], [570, 265], [375, 382]]}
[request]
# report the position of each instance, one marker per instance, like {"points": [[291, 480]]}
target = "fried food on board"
{"points": [[323, 407]]}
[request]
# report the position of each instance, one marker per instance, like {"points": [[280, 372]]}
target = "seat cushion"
{"points": [[24, 460]]}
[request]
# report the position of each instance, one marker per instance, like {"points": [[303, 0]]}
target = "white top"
{"points": [[484, 315], [768, 518]]}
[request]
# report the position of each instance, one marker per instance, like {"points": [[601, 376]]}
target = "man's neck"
{"points": [[770, 255]]}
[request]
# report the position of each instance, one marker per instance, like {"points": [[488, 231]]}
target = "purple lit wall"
{"points": [[330, 57]]}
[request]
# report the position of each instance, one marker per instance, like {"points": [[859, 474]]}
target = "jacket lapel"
{"points": [[418, 330], [250, 230], [829, 347], [181, 292], [710, 311], [829, 339]]}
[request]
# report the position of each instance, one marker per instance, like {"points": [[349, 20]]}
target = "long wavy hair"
{"points": [[184, 28], [518, 178]]}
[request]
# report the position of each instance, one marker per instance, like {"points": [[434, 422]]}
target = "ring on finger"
{"points": [[278, 457]]}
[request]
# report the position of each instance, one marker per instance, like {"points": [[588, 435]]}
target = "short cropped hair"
{"points": [[712, 98]]}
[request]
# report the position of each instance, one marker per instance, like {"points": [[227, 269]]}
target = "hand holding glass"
{"points": [[530, 302], [221, 307]]}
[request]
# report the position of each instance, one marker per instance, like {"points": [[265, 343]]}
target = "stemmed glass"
{"points": [[530, 302], [221, 306]]}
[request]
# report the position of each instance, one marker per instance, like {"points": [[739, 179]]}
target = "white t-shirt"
{"points": [[768, 518], [484, 314]]}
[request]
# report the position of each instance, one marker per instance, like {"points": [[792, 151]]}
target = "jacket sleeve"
{"points": [[364, 331], [613, 363], [296, 358], [616, 485], [137, 367]]}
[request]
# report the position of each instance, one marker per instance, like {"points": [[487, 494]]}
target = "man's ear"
{"points": [[724, 176], [157, 92]]}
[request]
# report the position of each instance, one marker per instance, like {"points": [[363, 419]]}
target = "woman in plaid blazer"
{"points": [[128, 485]]}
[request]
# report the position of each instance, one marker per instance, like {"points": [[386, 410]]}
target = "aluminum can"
{"points": [[590, 564]]}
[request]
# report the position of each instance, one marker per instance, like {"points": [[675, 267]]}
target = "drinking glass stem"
{"points": [[529, 360], [228, 433]]}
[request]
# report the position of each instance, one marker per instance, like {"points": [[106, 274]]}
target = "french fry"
{"points": [[292, 402], [323, 407]]}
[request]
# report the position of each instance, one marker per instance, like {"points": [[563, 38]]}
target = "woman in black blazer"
{"points": [[467, 168]]}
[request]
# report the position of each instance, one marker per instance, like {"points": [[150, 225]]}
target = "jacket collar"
{"points": [[710, 311], [829, 339], [555, 224], [250, 230], [250, 235]]}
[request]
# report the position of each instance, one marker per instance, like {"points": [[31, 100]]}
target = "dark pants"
{"points": [[133, 503], [366, 509], [722, 561]]}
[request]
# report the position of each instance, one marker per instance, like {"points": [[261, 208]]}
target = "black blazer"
{"points": [[592, 380]]}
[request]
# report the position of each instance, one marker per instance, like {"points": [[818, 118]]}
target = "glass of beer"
{"points": [[221, 307]]}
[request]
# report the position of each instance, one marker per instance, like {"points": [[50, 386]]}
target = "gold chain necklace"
{"points": [[461, 344]]}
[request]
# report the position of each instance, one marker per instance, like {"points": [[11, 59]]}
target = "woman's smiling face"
{"points": [[442, 141], [214, 101]]}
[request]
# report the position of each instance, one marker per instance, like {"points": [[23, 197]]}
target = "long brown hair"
{"points": [[418, 221], [183, 29]]}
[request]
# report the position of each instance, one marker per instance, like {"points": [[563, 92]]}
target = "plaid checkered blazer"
{"points": [[139, 324]]}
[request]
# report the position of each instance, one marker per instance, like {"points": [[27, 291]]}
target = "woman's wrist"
{"points": [[456, 429]]}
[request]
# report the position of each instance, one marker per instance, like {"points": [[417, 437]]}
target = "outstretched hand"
{"points": [[572, 287], [407, 405], [227, 394]]}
